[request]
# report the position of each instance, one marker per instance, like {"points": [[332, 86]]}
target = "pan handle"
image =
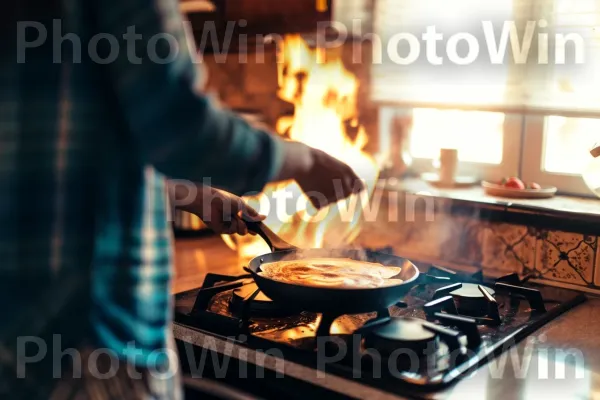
{"points": [[274, 242]]}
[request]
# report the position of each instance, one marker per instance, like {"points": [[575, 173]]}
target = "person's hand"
{"points": [[221, 211], [322, 177], [225, 213]]}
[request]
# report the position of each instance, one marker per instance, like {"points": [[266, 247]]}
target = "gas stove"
{"points": [[431, 338]]}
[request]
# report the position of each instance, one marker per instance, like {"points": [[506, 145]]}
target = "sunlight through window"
{"points": [[478, 136], [568, 143]]}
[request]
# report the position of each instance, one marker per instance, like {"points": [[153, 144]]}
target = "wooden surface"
{"points": [[194, 258]]}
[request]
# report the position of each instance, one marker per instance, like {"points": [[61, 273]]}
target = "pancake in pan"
{"points": [[336, 273]]}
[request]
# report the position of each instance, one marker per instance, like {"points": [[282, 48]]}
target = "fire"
{"points": [[324, 95]]}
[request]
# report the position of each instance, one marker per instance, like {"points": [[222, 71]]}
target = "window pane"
{"points": [[478, 136], [578, 19], [568, 143]]}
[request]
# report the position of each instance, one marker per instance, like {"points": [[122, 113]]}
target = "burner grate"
{"points": [[456, 276], [477, 301], [513, 309]]}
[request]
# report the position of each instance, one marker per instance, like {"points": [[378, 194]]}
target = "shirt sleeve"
{"points": [[176, 128]]}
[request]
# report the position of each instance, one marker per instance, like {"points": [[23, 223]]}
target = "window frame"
{"points": [[532, 165]]}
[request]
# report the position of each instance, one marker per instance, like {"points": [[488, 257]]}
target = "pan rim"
{"points": [[412, 279]]}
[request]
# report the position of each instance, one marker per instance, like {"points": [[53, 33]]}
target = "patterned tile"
{"points": [[508, 248], [566, 257]]}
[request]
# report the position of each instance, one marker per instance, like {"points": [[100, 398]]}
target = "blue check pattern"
{"points": [[84, 151]]}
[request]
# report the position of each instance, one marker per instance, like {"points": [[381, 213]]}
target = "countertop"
{"points": [[561, 361], [567, 206]]}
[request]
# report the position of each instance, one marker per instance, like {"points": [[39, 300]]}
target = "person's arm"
{"points": [[176, 128]]}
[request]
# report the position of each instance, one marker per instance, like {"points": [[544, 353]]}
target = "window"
{"points": [[557, 147], [537, 119], [551, 150], [566, 142], [479, 136], [488, 143], [558, 150]]}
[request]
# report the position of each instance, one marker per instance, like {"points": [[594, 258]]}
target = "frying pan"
{"points": [[324, 299]]}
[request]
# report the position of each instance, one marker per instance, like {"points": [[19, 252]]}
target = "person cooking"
{"points": [[88, 142]]}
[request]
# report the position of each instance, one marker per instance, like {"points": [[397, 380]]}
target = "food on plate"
{"points": [[336, 273], [514, 182], [515, 188]]}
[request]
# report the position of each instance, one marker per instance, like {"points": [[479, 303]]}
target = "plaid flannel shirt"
{"points": [[84, 148]]}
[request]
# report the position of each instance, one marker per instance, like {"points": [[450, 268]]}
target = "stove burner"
{"points": [[401, 333], [470, 300], [246, 291], [259, 303]]}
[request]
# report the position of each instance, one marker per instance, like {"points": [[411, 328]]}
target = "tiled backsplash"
{"points": [[552, 256], [566, 257]]}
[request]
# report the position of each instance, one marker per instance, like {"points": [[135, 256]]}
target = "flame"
{"points": [[322, 5], [324, 95]]}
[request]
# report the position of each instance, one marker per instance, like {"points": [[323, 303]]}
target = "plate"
{"points": [[494, 189], [459, 182]]}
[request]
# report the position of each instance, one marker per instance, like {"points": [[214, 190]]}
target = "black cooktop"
{"points": [[432, 337]]}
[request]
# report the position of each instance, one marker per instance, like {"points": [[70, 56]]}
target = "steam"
{"points": [[459, 232]]}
